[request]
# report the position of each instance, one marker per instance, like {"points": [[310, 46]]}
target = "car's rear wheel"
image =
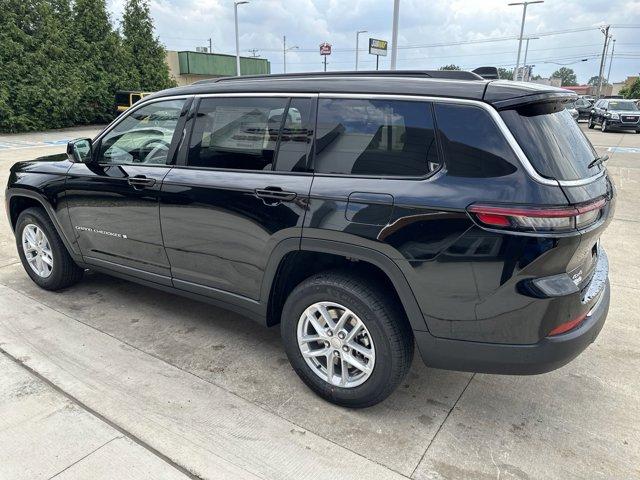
{"points": [[43, 255], [591, 124], [346, 339]]}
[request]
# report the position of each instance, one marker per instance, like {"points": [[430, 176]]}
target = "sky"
{"points": [[424, 25]]}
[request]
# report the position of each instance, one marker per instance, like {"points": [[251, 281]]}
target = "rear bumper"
{"points": [[547, 355]]}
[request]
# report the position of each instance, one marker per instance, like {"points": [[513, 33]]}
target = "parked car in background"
{"points": [[571, 107], [126, 98], [458, 214], [584, 106], [617, 114]]}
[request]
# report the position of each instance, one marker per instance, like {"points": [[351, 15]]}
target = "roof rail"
{"points": [[442, 74]]}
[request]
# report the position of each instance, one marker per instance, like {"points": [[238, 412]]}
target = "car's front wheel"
{"points": [[604, 126], [346, 338], [591, 123], [43, 255]]}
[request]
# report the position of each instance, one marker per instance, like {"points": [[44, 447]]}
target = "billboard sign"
{"points": [[325, 48], [378, 47]]}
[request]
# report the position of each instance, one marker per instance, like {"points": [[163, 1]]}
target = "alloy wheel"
{"points": [[336, 344], [37, 250]]}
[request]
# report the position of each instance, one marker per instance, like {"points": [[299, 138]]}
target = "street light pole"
{"points": [[394, 34], [524, 15], [235, 14], [526, 51], [357, 45]]}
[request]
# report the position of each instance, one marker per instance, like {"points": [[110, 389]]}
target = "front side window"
{"points": [[143, 137], [237, 133], [375, 138]]}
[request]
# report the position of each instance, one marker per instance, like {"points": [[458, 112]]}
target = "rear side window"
{"points": [[472, 143], [375, 137], [236, 133], [295, 137], [552, 141]]}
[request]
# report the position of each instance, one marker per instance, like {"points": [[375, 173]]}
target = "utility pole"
{"points": [[524, 15], [394, 34], [604, 29], [526, 51], [210, 46], [357, 44], [285, 50], [613, 49], [235, 14]]}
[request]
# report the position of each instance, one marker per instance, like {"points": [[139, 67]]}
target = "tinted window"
{"points": [[375, 137], [236, 133], [552, 141], [472, 143], [144, 136], [295, 137], [626, 106]]}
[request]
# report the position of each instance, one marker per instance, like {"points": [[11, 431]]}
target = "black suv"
{"points": [[615, 114], [363, 212]]}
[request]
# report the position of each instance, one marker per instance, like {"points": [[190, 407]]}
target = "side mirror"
{"points": [[80, 150]]}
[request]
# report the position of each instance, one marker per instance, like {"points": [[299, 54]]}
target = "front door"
{"points": [[113, 200], [242, 189]]}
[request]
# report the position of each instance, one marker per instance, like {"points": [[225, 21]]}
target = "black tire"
{"points": [[64, 272], [591, 123], [603, 126], [382, 316]]}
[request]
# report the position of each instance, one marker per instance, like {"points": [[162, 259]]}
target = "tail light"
{"points": [[538, 219]]}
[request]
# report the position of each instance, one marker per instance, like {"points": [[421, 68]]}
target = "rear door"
{"points": [[241, 188]]}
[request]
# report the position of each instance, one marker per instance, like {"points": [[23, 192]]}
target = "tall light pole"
{"points": [[235, 14], [524, 15], [605, 30], [357, 45], [613, 49], [285, 50], [526, 51], [394, 34]]}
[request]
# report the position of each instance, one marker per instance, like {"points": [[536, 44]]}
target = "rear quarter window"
{"points": [[552, 141]]}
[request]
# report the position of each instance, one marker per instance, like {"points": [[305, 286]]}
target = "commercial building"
{"points": [[187, 67]]}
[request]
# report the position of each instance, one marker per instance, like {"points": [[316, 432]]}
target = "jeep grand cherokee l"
{"points": [[364, 213]]}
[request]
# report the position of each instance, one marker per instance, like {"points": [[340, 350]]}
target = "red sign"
{"points": [[325, 48]]}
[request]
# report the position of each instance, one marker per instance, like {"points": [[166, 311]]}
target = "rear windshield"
{"points": [[552, 141]]}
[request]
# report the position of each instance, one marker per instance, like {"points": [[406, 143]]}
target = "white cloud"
{"points": [[185, 24]]}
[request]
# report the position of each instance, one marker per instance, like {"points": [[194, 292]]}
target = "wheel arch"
{"points": [[293, 260], [19, 199]]}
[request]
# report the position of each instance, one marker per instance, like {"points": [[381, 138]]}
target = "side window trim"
{"points": [[174, 143], [429, 101]]}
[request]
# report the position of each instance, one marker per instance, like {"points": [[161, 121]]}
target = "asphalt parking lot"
{"points": [[110, 379]]}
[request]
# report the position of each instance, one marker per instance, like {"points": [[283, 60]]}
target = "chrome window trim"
{"points": [[502, 126]]}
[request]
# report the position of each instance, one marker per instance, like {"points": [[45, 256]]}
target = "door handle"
{"points": [[275, 194], [140, 181]]}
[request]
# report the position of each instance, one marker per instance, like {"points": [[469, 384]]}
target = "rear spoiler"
{"points": [[488, 73]]}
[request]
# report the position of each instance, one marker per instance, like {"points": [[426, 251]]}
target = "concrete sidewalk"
{"points": [[45, 435]]}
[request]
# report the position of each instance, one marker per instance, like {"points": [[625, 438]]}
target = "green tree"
{"points": [[147, 54], [505, 73], [450, 67], [567, 76], [632, 90], [594, 81]]}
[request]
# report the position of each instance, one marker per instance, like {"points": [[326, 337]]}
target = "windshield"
{"points": [[552, 141], [626, 106]]}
